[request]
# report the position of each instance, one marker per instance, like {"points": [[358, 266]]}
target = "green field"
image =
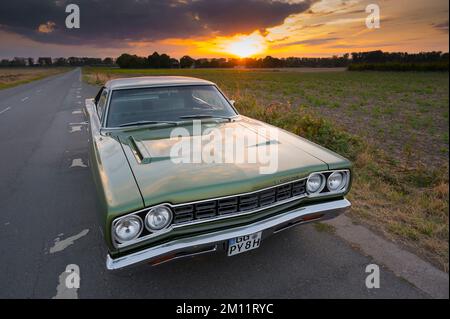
{"points": [[394, 126]]}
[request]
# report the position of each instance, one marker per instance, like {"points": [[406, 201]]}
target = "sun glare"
{"points": [[245, 46]]}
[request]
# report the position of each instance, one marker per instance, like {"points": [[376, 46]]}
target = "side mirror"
{"points": [[232, 102]]}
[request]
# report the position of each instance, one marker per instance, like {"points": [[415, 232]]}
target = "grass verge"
{"points": [[10, 77]]}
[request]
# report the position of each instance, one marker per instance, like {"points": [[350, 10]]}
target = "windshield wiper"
{"points": [[147, 122], [205, 116]]}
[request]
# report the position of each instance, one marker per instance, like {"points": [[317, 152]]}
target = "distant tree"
{"points": [[4, 62], [45, 61], [108, 61], [74, 61], [186, 62], [128, 61], [154, 60], [174, 63], [60, 61], [270, 62], [124, 60], [164, 61], [18, 61], [30, 61]]}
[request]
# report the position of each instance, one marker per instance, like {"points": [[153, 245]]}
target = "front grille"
{"points": [[238, 203]]}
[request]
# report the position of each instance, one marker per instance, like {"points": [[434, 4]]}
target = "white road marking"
{"points": [[79, 102], [8, 108], [78, 96], [60, 245], [77, 112], [7, 223], [39, 91], [75, 128], [62, 291], [77, 162], [25, 98], [81, 123]]}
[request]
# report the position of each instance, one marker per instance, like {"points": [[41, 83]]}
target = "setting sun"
{"points": [[245, 45]]}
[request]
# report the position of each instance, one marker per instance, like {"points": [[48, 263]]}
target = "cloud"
{"points": [[310, 42], [361, 46], [114, 22], [443, 26], [47, 27]]}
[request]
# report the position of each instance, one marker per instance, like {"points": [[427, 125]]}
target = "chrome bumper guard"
{"points": [[209, 242]]}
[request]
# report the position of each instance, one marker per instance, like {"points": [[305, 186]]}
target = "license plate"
{"points": [[244, 243]]}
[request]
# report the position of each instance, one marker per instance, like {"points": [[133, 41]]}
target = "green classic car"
{"points": [[160, 201]]}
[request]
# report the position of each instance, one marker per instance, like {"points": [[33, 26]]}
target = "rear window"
{"points": [[166, 104]]}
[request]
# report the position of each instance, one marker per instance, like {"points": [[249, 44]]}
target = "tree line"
{"points": [[399, 61], [156, 61], [356, 61], [48, 61]]}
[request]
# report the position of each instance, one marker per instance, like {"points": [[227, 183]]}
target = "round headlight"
{"points": [[128, 228], [336, 181], [158, 218], [315, 183]]}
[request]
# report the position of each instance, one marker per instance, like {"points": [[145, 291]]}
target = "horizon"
{"points": [[219, 57], [221, 28]]}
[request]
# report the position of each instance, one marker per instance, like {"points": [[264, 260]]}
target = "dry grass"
{"points": [[393, 126], [10, 77], [409, 206]]}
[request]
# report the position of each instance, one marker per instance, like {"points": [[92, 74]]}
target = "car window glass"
{"points": [[166, 104]]}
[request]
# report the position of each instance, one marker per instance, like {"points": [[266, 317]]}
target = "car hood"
{"points": [[161, 178]]}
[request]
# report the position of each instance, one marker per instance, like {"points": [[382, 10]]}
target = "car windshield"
{"points": [[167, 104]]}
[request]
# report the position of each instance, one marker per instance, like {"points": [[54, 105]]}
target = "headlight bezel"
{"points": [[343, 183], [321, 186], [115, 226], [325, 191], [145, 233], [154, 230]]}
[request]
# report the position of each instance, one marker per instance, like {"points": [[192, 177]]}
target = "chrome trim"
{"points": [[343, 184], [340, 191], [205, 220], [198, 253], [240, 194], [329, 209], [157, 230], [215, 218], [113, 232], [119, 244], [322, 186]]}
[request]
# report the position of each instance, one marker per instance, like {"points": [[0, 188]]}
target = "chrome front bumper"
{"points": [[211, 241]]}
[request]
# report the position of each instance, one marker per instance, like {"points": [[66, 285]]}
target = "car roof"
{"points": [[149, 81]]}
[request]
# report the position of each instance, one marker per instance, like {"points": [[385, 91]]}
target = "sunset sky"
{"points": [[220, 28]]}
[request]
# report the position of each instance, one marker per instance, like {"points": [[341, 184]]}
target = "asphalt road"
{"points": [[47, 196]]}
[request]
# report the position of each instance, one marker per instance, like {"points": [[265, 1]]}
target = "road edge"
{"points": [[418, 272]]}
